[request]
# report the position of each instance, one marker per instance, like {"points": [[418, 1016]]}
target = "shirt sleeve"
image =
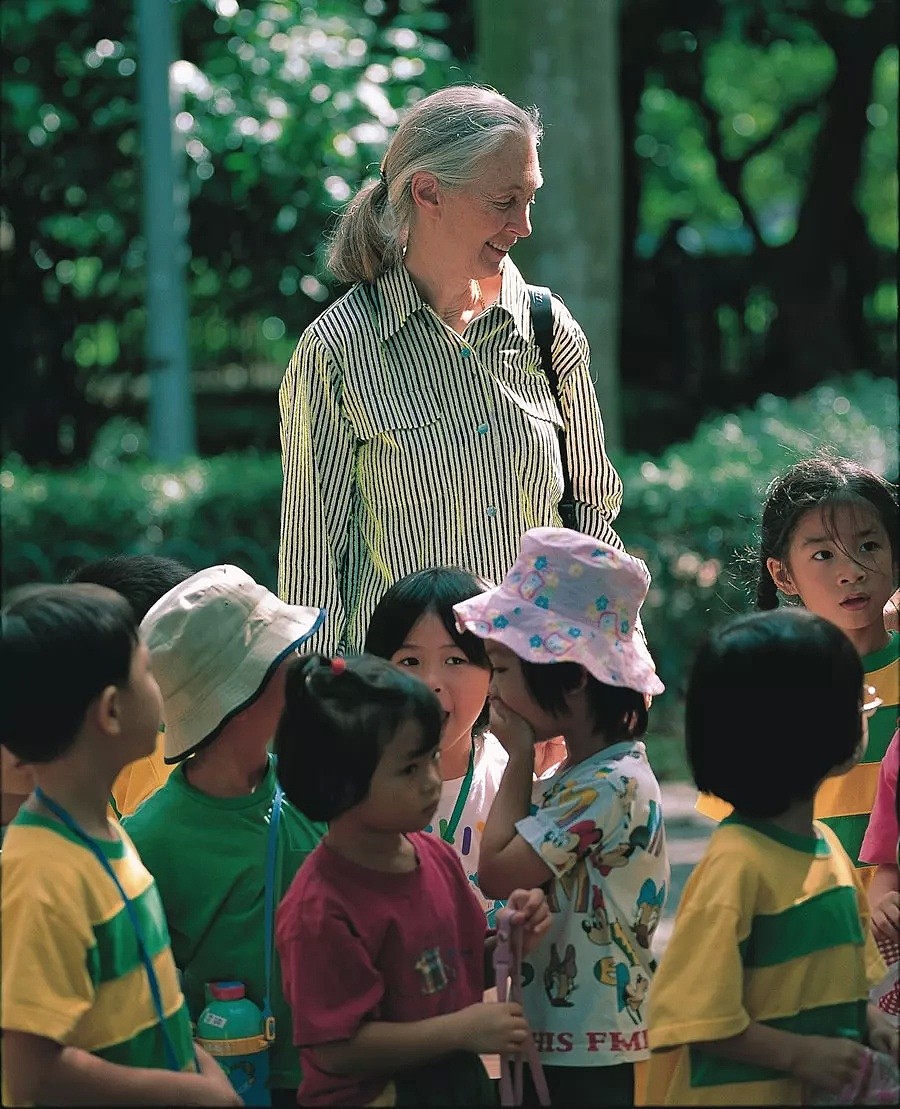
{"points": [[578, 820], [596, 485], [697, 992], [47, 986], [329, 979], [879, 845], [317, 457]]}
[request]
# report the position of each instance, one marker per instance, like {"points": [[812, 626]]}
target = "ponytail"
{"points": [[365, 242], [766, 590]]}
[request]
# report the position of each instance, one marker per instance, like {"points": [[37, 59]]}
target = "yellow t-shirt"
{"points": [[771, 928], [139, 779], [71, 965]]}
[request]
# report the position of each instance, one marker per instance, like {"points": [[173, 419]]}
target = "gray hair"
{"points": [[448, 133]]}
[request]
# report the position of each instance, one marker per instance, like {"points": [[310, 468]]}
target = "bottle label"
{"points": [[246, 1045]]}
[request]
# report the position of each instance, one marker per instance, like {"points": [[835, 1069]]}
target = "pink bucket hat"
{"points": [[569, 598]]}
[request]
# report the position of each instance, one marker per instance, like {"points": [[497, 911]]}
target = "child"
{"points": [[382, 943], [80, 1023], [559, 632], [413, 626], [829, 537], [220, 645], [881, 849], [141, 579], [762, 987]]}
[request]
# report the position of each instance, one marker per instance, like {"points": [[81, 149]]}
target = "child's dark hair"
{"points": [[822, 481], [141, 578], [435, 590], [338, 717], [618, 713], [79, 638], [772, 708]]}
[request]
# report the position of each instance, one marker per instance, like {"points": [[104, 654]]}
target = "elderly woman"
{"points": [[417, 425]]}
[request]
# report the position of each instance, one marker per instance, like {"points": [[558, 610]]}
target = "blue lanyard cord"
{"points": [[60, 813], [271, 852]]}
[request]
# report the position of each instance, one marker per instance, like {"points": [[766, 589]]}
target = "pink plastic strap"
{"points": [[508, 976]]}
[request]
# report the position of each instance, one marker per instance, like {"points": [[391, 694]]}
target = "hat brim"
{"points": [[274, 631], [536, 637]]}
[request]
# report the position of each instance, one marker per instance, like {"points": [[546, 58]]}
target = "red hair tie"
{"points": [[338, 665]]}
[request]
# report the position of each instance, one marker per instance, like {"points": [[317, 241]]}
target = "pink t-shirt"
{"points": [[359, 945], [879, 844]]}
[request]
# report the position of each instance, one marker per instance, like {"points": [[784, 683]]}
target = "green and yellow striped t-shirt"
{"points": [[71, 968], [773, 928]]}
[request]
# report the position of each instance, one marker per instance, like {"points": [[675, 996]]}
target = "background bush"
{"points": [[690, 512]]}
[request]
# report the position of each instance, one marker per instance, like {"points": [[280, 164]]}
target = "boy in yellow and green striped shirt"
{"points": [[845, 802], [91, 1011], [761, 996]]}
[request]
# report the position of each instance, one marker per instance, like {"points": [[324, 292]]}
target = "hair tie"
{"points": [[338, 665]]}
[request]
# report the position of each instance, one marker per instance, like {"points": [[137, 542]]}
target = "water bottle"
{"points": [[232, 1029]]}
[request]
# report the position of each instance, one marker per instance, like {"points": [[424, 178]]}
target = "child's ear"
{"points": [[781, 577], [104, 711]]}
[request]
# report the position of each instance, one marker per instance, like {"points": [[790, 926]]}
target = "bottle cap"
{"points": [[227, 991]]}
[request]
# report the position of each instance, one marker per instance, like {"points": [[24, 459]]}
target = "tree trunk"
{"points": [[821, 277], [563, 57]]}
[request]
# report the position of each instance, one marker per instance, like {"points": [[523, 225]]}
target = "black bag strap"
{"points": [[542, 322]]}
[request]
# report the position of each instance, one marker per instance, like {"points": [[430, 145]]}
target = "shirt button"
{"points": [[466, 352], [492, 511], [483, 429]]}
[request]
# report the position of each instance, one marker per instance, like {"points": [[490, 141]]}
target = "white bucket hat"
{"points": [[213, 640], [569, 598]]}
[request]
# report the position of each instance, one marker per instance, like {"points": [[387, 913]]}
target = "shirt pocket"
{"points": [[520, 378], [378, 402]]}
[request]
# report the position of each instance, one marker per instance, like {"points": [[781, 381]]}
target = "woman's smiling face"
{"points": [[483, 220]]}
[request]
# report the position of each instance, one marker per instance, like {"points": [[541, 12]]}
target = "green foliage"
{"points": [[772, 117], [877, 189], [281, 111]]}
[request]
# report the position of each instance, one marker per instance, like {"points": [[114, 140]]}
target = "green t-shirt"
{"points": [[208, 857]]}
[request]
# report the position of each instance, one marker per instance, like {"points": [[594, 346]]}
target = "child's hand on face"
{"points": [[530, 910], [886, 917], [513, 731]]}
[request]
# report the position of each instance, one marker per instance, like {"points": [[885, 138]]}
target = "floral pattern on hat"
{"points": [[569, 597]]}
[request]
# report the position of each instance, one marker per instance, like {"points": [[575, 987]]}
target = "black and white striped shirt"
{"points": [[407, 445]]}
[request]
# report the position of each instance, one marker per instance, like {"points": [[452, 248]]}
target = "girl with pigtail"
{"points": [[384, 946], [829, 542]]}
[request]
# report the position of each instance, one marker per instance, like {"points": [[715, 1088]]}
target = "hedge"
{"points": [[689, 512]]}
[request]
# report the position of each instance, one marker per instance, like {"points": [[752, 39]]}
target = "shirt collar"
{"points": [[398, 298], [514, 298]]}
